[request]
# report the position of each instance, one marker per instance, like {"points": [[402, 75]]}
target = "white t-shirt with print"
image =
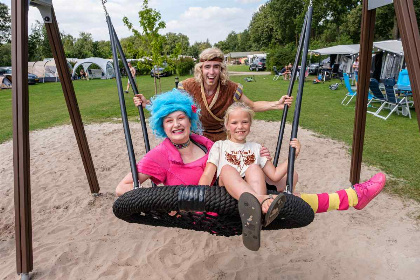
{"points": [[238, 155]]}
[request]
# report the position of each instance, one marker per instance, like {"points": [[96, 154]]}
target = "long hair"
{"points": [[237, 105], [208, 55], [169, 102]]}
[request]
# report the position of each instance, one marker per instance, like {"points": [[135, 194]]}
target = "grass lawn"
{"points": [[238, 68], [392, 145]]}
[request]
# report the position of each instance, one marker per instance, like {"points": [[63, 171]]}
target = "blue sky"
{"points": [[198, 19]]}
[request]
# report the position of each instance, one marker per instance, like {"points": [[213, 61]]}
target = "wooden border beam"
{"points": [[407, 23], [365, 60], [21, 151], [71, 100]]}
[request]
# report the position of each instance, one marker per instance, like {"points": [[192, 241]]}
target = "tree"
{"points": [[244, 43], [83, 47], [5, 24], [176, 44], [102, 49], [261, 28], [198, 47], [6, 54], [68, 45], [150, 22]]}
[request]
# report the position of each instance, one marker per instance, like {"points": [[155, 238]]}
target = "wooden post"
{"points": [[407, 24], [365, 60], [71, 101], [21, 156]]}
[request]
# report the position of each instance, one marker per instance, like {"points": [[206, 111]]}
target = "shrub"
{"points": [[281, 56], [183, 66]]}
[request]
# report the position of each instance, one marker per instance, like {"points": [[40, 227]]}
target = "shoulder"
{"points": [[218, 144], [202, 140], [190, 85], [187, 82], [159, 150]]}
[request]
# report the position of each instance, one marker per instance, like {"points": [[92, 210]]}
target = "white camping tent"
{"points": [[392, 57], [340, 49], [344, 56], [46, 70], [106, 71]]}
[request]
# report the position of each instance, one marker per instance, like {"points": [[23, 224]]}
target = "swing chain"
{"points": [[103, 5]]}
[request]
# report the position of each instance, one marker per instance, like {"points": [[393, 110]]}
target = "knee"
{"points": [[122, 189], [227, 170], [253, 168]]}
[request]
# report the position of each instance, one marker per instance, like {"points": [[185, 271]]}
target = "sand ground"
{"points": [[76, 236]]}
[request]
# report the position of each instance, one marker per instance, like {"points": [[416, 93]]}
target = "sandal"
{"points": [[274, 209], [251, 217]]}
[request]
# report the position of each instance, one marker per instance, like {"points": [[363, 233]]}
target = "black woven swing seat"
{"points": [[196, 205]]}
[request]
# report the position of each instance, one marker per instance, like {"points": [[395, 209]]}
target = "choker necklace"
{"points": [[181, 146]]}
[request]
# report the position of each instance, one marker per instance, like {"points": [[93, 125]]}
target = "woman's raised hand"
{"points": [[139, 99]]}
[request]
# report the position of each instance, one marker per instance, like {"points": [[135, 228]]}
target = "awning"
{"points": [[393, 46]]}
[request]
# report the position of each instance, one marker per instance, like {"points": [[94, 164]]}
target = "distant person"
{"points": [[133, 74], [83, 75], [288, 71], [356, 70]]}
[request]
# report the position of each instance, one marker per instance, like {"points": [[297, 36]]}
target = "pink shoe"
{"points": [[368, 190]]}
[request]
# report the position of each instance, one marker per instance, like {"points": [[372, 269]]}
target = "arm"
{"points": [[264, 152], [208, 174], [261, 106], [276, 173], [139, 99], [126, 183]]}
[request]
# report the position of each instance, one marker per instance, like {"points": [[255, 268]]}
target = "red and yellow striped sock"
{"points": [[340, 200]]}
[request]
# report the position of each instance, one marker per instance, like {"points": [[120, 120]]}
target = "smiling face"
{"points": [[211, 73], [238, 125], [177, 127]]}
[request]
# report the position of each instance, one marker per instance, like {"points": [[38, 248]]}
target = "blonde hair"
{"points": [[209, 55], [237, 105]]}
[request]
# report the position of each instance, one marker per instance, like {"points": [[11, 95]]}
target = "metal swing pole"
{"points": [[289, 91], [134, 85], [292, 151], [127, 133]]}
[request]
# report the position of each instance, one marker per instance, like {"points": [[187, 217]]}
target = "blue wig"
{"points": [[168, 102]]}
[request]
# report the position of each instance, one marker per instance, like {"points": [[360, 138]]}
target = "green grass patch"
{"points": [[238, 68], [392, 145]]}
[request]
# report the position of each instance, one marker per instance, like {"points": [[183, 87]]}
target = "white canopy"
{"points": [[340, 49], [393, 46], [46, 69], [105, 65]]}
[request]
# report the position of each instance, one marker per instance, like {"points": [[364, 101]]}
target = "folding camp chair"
{"points": [[277, 73], [393, 102], [377, 95], [350, 93]]}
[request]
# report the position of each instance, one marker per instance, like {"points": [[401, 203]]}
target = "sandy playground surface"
{"points": [[76, 236]]}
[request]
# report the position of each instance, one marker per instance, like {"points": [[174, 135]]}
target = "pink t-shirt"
{"points": [[164, 164]]}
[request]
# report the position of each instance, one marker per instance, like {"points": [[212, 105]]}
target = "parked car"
{"points": [[313, 68], [32, 79], [257, 65], [163, 71]]}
